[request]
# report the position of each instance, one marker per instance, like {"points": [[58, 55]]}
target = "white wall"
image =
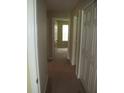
{"points": [[42, 43]]}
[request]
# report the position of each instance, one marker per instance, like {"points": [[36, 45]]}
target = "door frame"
{"points": [[60, 34], [53, 36], [32, 48], [81, 49], [76, 48], [74, 40], [78, 40]]}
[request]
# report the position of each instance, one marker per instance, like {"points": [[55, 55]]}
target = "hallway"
{"points": [[62, 78], [70, 26]]}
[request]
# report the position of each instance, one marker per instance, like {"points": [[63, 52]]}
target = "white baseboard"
{"points": [[68, 57], [72, 63], [78, 76]]}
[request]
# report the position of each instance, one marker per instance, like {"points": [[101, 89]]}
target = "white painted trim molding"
{"points": [[74, 40], [53, 37], [68, 57], [81, 49]]}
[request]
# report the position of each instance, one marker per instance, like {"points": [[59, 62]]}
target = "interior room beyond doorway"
{"points": [[61, 36]]}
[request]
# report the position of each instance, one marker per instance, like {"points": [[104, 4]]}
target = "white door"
{"points": [[32, 46], [88, 60]]}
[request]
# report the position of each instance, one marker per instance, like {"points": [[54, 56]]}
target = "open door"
{"points": [[62, 34], [32, 48]]}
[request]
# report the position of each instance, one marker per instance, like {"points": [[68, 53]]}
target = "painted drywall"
{"points": [[42, 43], [49, 30], [61, 5]]}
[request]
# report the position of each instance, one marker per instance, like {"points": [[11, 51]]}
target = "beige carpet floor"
{"points": [[62, 78]]}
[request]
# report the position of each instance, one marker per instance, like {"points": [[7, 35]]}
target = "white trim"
{"points": [[53, 38], [74, 40], [68, 57], [69, 33], [80, 52], [78, 37]]}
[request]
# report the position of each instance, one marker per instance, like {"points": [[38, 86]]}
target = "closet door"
{"points": [[89, 49], [91, 45]]}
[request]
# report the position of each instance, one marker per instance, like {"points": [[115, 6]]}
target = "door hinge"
{"points": [[37, 80]]}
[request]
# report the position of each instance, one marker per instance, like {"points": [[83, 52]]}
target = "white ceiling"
{"points": [[61, 5]]}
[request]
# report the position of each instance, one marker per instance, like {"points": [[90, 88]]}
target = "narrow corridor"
{"points": [[62, 78], [70, 26]]}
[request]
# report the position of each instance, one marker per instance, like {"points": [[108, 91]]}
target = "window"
{"points": [[64, 32], [55, 28]]}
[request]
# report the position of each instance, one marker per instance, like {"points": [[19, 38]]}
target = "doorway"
{"points": [[61, 36], [62, 77]]}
